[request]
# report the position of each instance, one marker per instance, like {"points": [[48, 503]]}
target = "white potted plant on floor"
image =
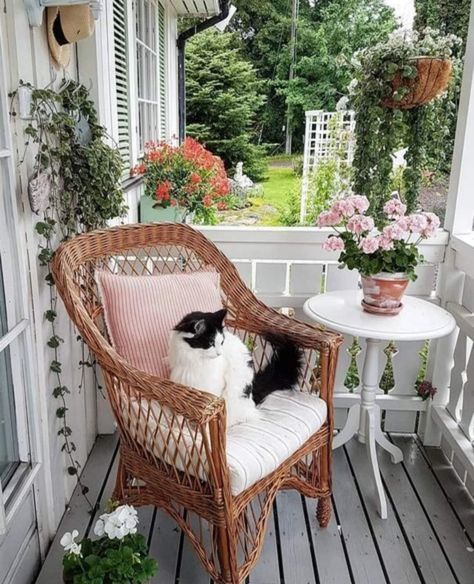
{"points": [[384, 250], [119, 555]]}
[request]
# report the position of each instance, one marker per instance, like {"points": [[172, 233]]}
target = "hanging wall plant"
{"points": [[394, 86], [82, 173]]}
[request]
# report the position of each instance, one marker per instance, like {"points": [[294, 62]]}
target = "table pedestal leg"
{"points": [[364, 419], [351, 427], [374, 463]]}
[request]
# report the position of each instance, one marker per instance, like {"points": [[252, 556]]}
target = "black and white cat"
{"points": [[204, 355]]}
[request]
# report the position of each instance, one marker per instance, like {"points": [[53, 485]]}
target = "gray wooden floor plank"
{"points": [[266, 570], [77, 515], [452, 485], [330, 558], [106, 495], [145, 520], [164, 547], [450, 532], [358, 541], [428, 553], [294, 539], [390, 539], [361, 550]]}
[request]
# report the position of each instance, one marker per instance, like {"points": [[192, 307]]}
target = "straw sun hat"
{"points": [[66, 25]]}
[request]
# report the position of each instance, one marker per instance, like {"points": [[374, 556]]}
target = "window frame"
{"points": [[18, 337], [162, 68]]}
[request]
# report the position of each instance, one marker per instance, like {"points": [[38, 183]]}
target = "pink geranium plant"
{"points": [[389, 246]]}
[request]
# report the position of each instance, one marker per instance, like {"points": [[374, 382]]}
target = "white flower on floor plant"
{"points": [[118, 524], [119, 554], [69, 544]]}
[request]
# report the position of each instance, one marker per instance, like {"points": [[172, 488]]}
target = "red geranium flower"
{"points": [[188, 175], [207, 201], [163, 191]]}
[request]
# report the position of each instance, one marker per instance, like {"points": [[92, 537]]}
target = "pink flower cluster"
{"points": [[359, 223], [343, 209], [394, 208], [334, 243], [349, 213]]}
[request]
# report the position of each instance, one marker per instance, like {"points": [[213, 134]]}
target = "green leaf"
{"points": [[50, 315], [55, 341]]}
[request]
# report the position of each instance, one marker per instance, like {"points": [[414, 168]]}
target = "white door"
{"points": [[19, 542]]}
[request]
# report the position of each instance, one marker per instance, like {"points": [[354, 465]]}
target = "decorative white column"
{"points": [[459, 220]]}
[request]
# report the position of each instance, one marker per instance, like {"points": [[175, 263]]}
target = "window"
{"points": [[140, 74], [17, 471], [9, 456]]}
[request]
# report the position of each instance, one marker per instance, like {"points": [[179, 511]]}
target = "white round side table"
{"points": [[418, 320]]}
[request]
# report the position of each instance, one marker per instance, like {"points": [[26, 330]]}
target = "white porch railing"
{"points": [[284, 266], [454, 417]]}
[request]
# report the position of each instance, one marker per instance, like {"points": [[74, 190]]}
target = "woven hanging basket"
{"points": [[432, 79]]}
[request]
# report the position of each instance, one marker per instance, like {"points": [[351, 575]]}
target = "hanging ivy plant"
{"points": [[390, 95], [84, 174]]}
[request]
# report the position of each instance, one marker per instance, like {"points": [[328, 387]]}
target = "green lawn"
{"points": [[273, 197], [276, 190], [281, 182]]}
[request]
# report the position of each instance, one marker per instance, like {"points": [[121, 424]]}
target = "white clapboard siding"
{"points": [[284, 266]]}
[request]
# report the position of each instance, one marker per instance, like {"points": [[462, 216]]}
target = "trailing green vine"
{"points": [[381, 130], [84, 175]]}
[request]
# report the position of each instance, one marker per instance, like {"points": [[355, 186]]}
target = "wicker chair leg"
{"points": [[323, 511], [227, 557], [120, 482]]}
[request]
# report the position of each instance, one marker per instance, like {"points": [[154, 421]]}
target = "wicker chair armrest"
{"points": [[256, 317], [195, 405]]}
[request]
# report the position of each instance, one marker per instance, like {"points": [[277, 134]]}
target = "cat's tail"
{"points": [[281, 372]]}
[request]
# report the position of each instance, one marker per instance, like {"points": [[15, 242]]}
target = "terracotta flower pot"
{"points": [[383, 292], [431, 80]]}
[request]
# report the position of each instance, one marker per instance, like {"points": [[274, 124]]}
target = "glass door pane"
{"points": [[9, 456]]}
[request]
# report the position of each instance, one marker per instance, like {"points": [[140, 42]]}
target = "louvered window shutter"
{"points": [[162, 70], [121, 78]]}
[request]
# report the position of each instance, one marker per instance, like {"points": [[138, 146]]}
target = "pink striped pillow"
{"points": [[140, 312]]}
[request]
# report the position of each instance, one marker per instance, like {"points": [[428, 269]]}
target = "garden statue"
{"points": [[241, 179]]}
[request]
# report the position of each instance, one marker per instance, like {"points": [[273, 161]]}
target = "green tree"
{"points": [[323, 69], [450, 17], [224, 98], [329, 32]]}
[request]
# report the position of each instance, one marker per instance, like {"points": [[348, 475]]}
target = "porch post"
{"points": [[459, 219]]}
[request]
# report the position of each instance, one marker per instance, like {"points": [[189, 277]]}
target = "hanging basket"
{"points": [[431, 80]]}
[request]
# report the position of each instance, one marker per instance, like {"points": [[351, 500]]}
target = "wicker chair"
{"points": [[226, 531]]}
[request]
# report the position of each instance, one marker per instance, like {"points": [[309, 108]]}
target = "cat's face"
{"points": [[203, 332]]}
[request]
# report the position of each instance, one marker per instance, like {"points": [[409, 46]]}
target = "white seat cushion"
{"points": [[254, 449]]}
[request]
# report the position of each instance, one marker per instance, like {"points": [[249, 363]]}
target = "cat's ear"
{"points": [[200, 326], [220, 315]]}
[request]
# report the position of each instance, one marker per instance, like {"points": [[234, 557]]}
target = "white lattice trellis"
{"points": [[329, 136]]}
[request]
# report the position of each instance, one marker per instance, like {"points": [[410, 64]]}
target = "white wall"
{"points": [[29, 60]]}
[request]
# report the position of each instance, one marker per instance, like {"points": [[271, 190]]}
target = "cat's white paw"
{"points": [[242, 410]]}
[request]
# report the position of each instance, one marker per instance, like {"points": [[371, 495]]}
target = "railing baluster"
{"points": [[466, 422]]}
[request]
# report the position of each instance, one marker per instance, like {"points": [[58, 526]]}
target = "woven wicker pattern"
{"points": [[226, 531]]}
